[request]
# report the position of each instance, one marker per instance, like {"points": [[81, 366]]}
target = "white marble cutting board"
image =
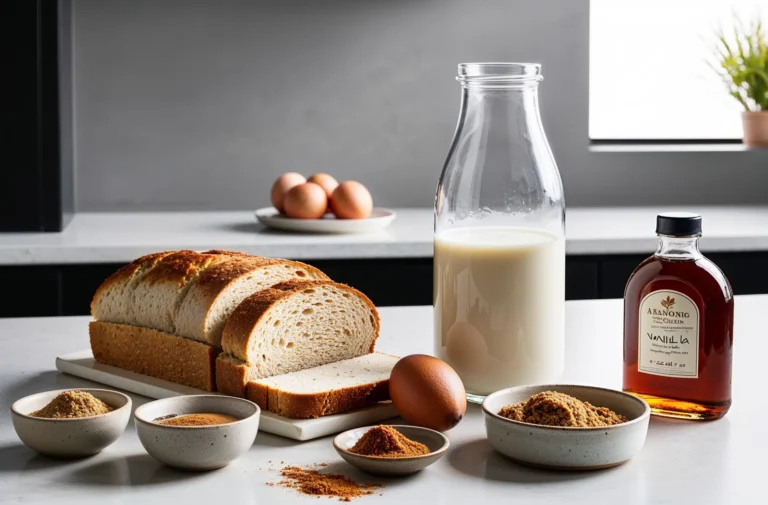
{"points": [[82, 364]]}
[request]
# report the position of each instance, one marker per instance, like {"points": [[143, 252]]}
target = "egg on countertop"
{"points": [[427, 392], [327, 182], [306, 201], [351, 200], [281, 186]]}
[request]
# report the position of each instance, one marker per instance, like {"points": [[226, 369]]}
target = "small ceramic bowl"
{"points": [[565, 448], [436, 442], [70, 438], [197, 447]]}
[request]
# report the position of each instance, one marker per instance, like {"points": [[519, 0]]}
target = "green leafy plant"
{"points": [[742, 62]]}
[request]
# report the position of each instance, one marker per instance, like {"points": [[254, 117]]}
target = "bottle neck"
{"points": [[678, 248], [511, 112]]}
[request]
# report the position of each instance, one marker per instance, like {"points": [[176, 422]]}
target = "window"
{"points": [[648, 76]]}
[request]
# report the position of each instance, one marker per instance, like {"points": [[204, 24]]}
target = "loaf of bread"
{"points": [[293, 326], [328, 389], [168, 300], [187, 293]]}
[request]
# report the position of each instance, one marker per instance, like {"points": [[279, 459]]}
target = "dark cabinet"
{"points": [[51, 290]]}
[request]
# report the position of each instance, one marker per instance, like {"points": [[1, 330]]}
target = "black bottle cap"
{"points": [[678, 224]]}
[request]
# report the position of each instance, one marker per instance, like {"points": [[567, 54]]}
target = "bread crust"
{"points": [[154, 353], [231, 376], [239, 326], [180, 266], [306, 406]]}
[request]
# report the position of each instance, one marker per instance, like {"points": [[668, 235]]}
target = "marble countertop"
{"points": [[122, 237], [714, 462]]}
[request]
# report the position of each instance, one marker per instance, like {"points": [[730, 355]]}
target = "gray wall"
{"points": [[195, 104]]}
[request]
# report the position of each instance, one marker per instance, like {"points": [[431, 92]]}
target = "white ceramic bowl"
{"points": [[70, 438], [568, 448], [434, 440], [197, 447]]}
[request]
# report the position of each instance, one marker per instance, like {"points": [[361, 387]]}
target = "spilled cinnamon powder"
{"points": [[311, 482], [386, 442]]}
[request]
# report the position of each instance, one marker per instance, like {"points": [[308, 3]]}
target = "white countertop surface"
{"points": [[122, 237], [718, 462]]}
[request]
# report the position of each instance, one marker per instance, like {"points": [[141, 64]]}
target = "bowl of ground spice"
{"points": [[391, 450], [197, 432], [71, 423], [566, 427]]}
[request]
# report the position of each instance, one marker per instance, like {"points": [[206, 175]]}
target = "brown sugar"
{"points": [[72, 404], [198, 420], [311, 482], [550, 408], [387, 442]]}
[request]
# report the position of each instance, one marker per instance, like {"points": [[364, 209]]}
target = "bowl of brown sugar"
{"points": [[71, 423], [566, 427], [197, 432], [391, 450]]}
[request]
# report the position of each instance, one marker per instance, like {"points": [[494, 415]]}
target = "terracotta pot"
{"points": [[755, 128]]}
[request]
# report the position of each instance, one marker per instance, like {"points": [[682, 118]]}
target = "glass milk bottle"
{"points": [[499, 268]]}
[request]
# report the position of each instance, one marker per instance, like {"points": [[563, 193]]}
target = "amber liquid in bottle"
{"points": [[678, 332]]}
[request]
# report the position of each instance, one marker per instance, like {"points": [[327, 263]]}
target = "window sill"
{"points": [[667, 148]]}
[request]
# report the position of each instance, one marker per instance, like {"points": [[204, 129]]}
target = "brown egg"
{"points": [[281, 187], [351, 200], [427, 392], [306, 201], [327, 182]]}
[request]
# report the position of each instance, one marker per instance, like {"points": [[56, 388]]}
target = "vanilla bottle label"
{"points": [[668, 335]]}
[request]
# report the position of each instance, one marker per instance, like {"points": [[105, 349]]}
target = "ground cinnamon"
{"points": [[311, 482], [387, 442], [73, 404], [197, 420], [550, 408]]}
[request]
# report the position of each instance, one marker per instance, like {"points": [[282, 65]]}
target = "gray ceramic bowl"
{"points": [[70, 438], [197, 447], [566, 448], [436, 442]]}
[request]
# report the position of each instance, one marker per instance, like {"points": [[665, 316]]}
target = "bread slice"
{"points": [[154, 353], [293, 326], [157, 296], [212, 296], [112, 301], [327, 389]]}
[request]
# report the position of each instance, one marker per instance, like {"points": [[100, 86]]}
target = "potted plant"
{"points": [[743, 64]]}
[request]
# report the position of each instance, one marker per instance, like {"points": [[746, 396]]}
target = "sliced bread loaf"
{"points": [[325, 390], [293, 326], [216, 292], [189, 293]]}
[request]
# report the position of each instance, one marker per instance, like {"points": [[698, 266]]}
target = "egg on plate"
{"points": [[306, 201], [351, 200]]}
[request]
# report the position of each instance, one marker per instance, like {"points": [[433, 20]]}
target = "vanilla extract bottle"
{"points": [[678, 326]]}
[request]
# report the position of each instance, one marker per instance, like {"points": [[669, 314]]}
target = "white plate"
{"points": [[380, 218], [82, 364]]}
